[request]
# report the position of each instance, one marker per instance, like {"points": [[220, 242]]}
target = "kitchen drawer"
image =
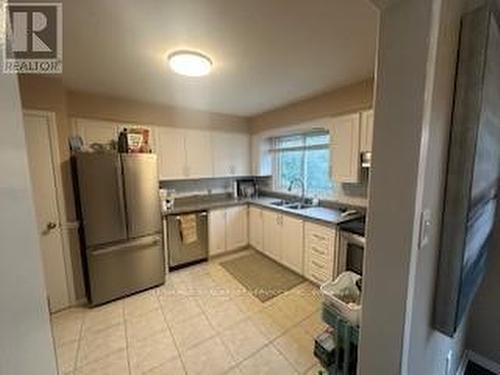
{"points": [[319, 250], [319, 232], [320, 264], [318, 276], [320, 237]]}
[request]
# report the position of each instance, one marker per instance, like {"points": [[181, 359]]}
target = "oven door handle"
{"points": [[354, 238]]}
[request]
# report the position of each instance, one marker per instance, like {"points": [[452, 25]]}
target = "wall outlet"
{"points": [[449, 359]]}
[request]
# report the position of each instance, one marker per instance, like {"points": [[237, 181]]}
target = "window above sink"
{"points": [[305, 156]]}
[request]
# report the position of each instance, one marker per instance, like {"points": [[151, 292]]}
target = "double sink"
{"points": [[291, 205]]}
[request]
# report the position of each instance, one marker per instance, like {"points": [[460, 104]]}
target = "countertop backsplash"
{"points": [[207, 186], [346, 194], [349, 194]]}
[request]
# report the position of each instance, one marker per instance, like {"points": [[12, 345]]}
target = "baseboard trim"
{"points": [[80, 302], [488, 364], [463, 364]]}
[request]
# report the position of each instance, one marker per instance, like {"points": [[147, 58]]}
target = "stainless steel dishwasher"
{"points": [[181, 254]]}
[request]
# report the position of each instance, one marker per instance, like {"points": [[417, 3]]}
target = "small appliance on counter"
{"points": [[167, 199], [246, 188]]}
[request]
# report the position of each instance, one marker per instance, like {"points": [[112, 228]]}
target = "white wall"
{"points": [[428, 348], [26, 346], [400, 84], [415, 74]]}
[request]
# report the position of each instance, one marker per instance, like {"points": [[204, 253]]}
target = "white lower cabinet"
{"points": [[272, 234], [236, 227], [283, 239], [292, 243], [256, 228], [227, 229], [320, 255], [216, 232]]}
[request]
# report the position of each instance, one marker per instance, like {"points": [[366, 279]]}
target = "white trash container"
{"points": [[336, 292]]}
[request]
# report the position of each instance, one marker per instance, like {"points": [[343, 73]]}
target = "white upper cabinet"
{"points": [[95, 131], [261, 155], [171, 153], [366, 136], [345, 151], [198, 145], [184, 153], [231, 154]]}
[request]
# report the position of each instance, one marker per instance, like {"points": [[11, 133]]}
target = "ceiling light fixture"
{"points": [[189, 63]]}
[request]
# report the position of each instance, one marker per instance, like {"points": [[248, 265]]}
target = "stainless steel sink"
{"points": [[298, 206], [281, 203], [290, 205]]}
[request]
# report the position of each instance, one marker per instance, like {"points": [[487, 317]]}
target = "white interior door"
{"points": [[43, 182]]}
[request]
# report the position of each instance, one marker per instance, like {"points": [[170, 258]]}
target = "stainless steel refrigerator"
{"points": [[119, 209]]}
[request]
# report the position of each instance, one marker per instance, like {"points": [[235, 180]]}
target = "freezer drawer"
{"points": [[123, 269], [182, 254]]}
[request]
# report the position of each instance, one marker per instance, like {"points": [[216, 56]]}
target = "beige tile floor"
{"points": [[202, 321]]}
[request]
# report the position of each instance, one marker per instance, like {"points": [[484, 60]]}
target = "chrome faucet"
{"points": [[302, 187]]}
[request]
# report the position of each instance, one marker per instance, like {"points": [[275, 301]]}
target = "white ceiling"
{"points": [[266, 53]]}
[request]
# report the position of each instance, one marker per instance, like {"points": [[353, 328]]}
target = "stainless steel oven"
{"points": [[352, 246]]}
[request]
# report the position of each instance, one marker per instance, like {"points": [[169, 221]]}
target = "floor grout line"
{"points": [[187, 281], [172, 335], [129, 366], [80, 333]]}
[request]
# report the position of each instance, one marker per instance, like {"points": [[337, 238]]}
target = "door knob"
{"points": [[50, 225]]}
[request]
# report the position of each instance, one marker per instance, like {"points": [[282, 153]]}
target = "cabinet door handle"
{"points": [[317, 236], [319, 265], [317, 251], [317, 278]]}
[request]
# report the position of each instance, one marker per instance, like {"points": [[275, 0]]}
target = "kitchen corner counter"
{"points": [[321, 215], [204, 203]]}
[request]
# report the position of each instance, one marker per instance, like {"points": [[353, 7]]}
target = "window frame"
{"points": [[276, 150]]}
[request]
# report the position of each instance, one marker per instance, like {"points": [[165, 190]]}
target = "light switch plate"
{"points": [[425, 228]]}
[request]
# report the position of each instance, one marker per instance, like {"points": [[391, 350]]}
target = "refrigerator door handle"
{"points": [[141, 243], [119, 190]]}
